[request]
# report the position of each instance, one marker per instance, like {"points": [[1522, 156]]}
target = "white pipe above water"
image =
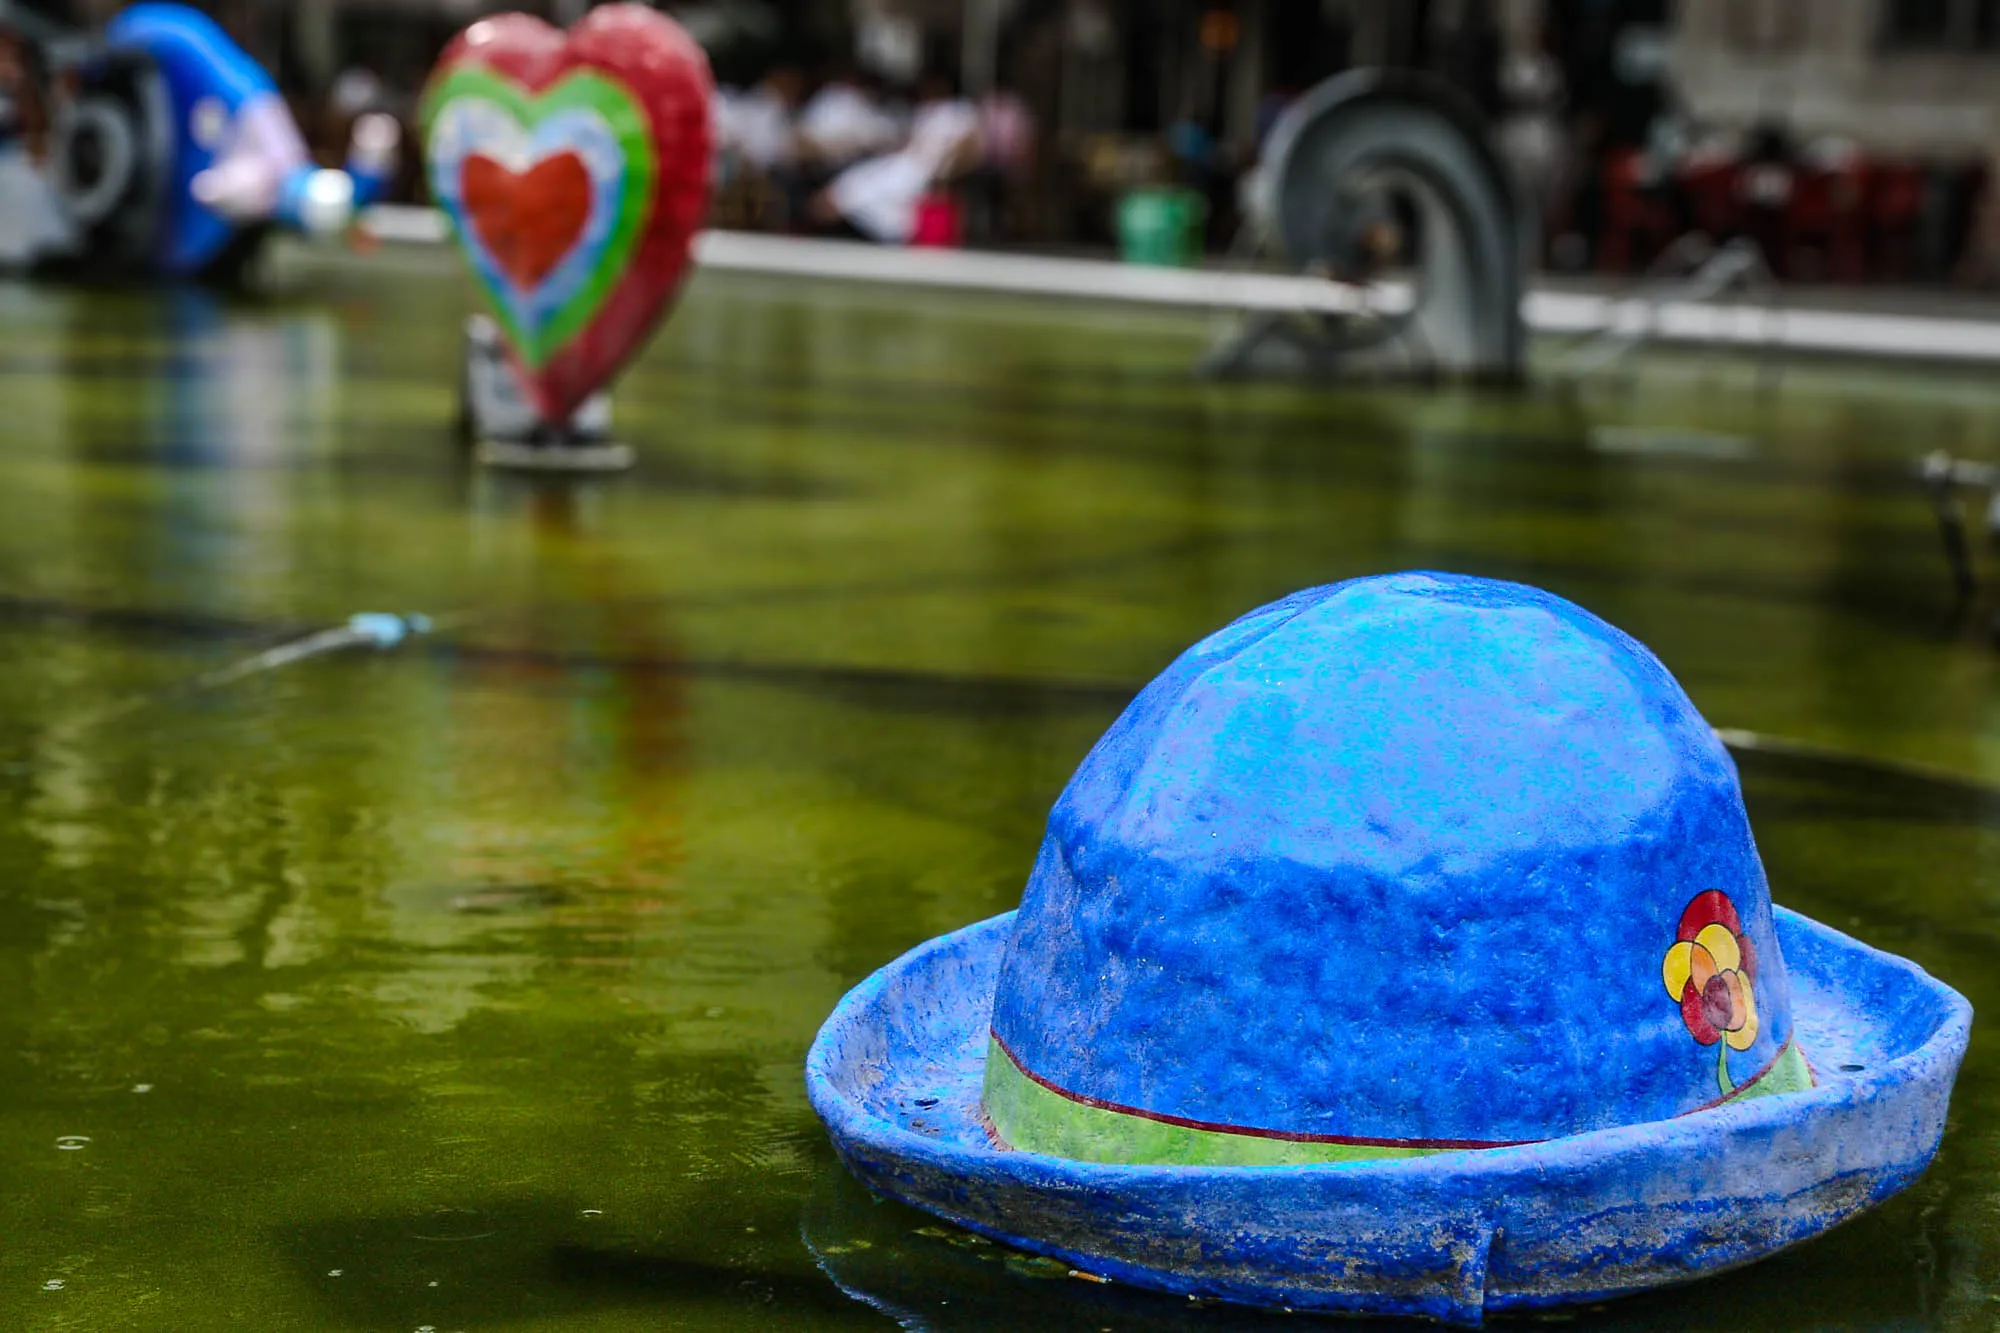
{"points": [[1830, 331]]}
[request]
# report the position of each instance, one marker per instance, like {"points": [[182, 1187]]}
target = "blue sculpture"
{"points": [[1402, 949], [175, 151]]}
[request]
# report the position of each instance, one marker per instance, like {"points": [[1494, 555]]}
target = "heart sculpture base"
{"points": [[504, 428], [512, 456]]}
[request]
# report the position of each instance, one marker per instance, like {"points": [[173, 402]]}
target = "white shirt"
{"points": [[880, 196], [757, 127], [32, 223], [940, 131], [842, 123]]}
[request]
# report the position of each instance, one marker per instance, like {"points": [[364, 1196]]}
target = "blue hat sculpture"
{"points": [[1402, 949]]}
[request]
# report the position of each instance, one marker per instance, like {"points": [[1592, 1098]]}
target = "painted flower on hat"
{"points": [[1711, 972]]}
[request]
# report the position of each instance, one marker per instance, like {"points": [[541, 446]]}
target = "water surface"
{"points": [[467, 986]]}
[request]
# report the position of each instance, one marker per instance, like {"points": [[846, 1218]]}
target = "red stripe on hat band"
{"points": [[1341, 1140]]}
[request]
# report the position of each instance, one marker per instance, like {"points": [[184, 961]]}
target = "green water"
{"points": [[467, 986]]}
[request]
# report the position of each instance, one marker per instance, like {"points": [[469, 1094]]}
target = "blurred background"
{"points": [[1853, 140]]}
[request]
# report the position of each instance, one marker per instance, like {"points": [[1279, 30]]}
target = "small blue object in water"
{"points": [[384, 630], [1402, 949]]}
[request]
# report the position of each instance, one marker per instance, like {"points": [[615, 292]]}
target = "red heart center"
{"points": [[527, 220]]}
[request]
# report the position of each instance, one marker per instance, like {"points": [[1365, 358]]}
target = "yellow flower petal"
{"points": [[1701, 966], [1744, 1035], [1676, 970], [1720, 942]]}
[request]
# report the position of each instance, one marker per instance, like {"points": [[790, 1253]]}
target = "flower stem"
{"points": [[1722, 1067]]}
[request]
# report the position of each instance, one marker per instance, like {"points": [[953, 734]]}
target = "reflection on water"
{"points": [[468, 985]]}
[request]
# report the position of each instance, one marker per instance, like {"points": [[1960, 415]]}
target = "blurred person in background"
{"points": [[844, 122], [24, 117], [356, 91], [1467, 53], [362, 93], [1006, 164], [1979, 266], [758, 181], [1764, 187], [879, 198], [26, 114], [1534, 137], [1202, 163], [31, 221], [328, 125]]}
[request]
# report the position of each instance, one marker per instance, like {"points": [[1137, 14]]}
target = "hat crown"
{"points": [[1403, 864]]}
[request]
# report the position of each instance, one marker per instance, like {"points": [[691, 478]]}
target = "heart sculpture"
{"points": [[575, 169]]}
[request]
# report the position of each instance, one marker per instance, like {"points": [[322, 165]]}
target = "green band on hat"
{"points": [[1034, 1116], [1788, 1073]]}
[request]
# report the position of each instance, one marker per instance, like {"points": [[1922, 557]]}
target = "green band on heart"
{"points": [[581, 90]]}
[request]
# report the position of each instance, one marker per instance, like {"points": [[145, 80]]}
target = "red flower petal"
{"points": [[1748, 967], [1718, 1003], [1697, 1022], [1707, 909]]}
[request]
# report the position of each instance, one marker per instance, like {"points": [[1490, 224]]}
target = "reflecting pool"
{"points": [[467, 985]]}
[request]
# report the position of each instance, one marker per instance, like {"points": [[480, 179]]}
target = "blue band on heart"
{"points": [[471, 126]]}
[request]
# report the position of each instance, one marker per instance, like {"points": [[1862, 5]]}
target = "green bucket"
{"points": [[1161, 226]]}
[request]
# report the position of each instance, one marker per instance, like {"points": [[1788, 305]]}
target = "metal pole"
{"points": [[314, 41], [979, 55]]}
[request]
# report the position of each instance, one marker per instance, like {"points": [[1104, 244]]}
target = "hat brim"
{"points": [[896, 1074]]}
